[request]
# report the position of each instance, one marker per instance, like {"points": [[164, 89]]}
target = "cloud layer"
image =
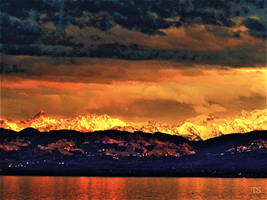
{"points": [[188, 31], [136, 90], [136, 59]]}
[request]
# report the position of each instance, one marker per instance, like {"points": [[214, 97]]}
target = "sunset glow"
{"points": [[157, 91], [133, 99], [200, 127], [90, 70]]}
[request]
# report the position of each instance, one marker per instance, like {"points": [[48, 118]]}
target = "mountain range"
{"points": [[201, 127]]}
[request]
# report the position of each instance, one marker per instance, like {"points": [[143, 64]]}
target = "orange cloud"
{"points": [[174, 92], [181, 38]]}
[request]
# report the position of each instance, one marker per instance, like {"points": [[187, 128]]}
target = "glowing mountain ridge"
{"points": [[197, 128]]}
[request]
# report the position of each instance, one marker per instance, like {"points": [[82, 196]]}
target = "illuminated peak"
{"points": [[200, 127]]}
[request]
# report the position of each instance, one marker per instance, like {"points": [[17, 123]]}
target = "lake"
{"points": [[85, 188]]}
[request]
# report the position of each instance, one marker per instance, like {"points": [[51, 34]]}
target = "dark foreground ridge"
{"points": [[118, 153]]}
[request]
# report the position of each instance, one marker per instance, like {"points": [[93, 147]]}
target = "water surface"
{"points": [[96, 188]]}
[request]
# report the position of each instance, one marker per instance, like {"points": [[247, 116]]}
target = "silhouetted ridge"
{"points": [[121, 153], [29, 131]]}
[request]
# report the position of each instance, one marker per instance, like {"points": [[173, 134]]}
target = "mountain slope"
{"points": [[118, 153]]}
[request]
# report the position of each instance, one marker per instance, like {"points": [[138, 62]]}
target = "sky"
{"points": [[163, 60]]}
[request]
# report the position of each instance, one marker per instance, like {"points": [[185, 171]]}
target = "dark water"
{"points": [[83, 188]]}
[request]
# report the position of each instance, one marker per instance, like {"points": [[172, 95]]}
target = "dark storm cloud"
{"points": [[235, 58], [81, 70], [34, 27], [10, 68], [105, 71], [17, 31], [256, 27], [147, 16]]}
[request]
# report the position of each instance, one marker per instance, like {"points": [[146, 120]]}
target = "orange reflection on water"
{"points": [[112, 188], [40, 186], [96, 188], [8, 184]]}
